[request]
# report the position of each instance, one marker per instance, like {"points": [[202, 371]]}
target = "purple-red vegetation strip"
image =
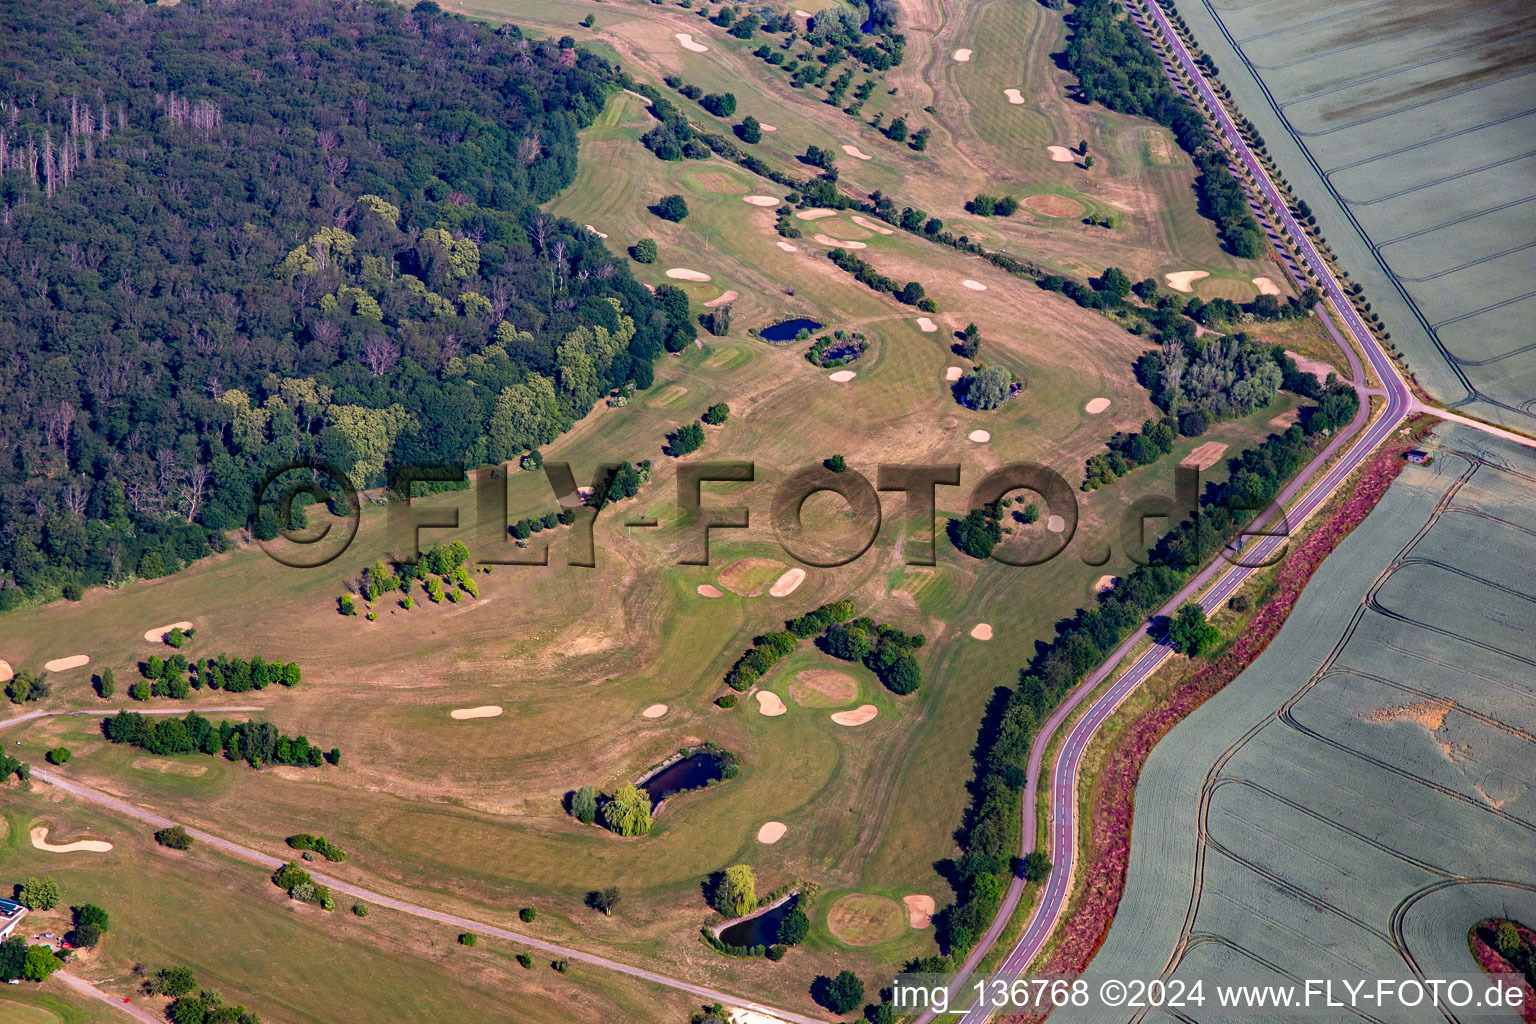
{"points": [[1489, 959]]}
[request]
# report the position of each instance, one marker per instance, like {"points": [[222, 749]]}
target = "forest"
{"points": [[234, 235]]}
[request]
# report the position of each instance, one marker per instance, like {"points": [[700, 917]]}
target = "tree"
{"points": [[841, 994], [970, 342], [897, 131], [174, 838], [467, 939], [40, 963], [1036, 866], [1190, 633], [13, 958], [750, 130], [716, 414], [584, 805], [672, 207], [837, 464], [1114, 281], [528, 915], [685, 439], [26, 686], [39, 894], [604, 899], [175, 981], [736, 891], [987, 388], [911, 293], [644, 251], [721, 104], [794, 928], [977, 533], [346, 605], [628, 812], [106, 684], [58, 755], [717, 320]]}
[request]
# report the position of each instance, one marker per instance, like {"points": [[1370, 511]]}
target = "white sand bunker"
{"points": [[1266, 286], [803, 14], [685, 40], [1055, 524], [729, 295], [157, 635], [838, 243], [684, 274], [979, 436], [926, 325], [1184, 280], [596, 232], [787, 247], [858, 716], [767, 127], [6, 672], [64, 664], [815, 214], [1103, 583], [1096, 406], [483, 711], [954, 372], [981, 631], [771, 832], [975, 286], [654, 711], [786, 584], [40, 841], [919, 910], [1061, 154], [841, 376], [705, 590], [1014, 96], [856, 152], [875, 226], [769, 704], [761, 200], [961, 56]]}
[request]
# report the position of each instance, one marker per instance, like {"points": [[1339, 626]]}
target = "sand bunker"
{"points": [[839, 243], [771, 832], [729, 295], [926, 325], [786, 584], [40, 841], [856, 152], [64, 664], [1056, 524], [654, 711], [1061, 154], [1103, 583], [858, 716], [919, 910], [157, 635], [815, 214], [954, 372], [1184, 280], [685, 40], [6, 672], [705, 590], [1096, 406], [767, 127], [1206, 456], [876, 227], [842, 376], [483, 711], [1051, 205], [823, 687], [787, 247], [979, 436], [684, 274], [961, 56], [1014, 96], [1266, 286], [981, 631], [975, 286], [803, 14], [749, 577], [761, 200], [769, 704], [596, 232]]}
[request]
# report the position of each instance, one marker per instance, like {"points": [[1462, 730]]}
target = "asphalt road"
{"points": [[707, 995], [1064, 779]]}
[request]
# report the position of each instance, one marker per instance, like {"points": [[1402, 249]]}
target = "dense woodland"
{"points": [[236, 234]]}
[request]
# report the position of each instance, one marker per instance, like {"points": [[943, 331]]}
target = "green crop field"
{"points": [[1409, 135], [1360, 796]]}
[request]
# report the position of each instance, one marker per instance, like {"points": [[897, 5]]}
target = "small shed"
{"points": [[1417, 455]]}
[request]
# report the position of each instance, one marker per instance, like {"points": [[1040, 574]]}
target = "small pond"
{"points": [[693, 772], [762, 930], [788, 330]]}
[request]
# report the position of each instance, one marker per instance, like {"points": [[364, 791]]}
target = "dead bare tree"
{"points": [[380, 354], [192, 490]]}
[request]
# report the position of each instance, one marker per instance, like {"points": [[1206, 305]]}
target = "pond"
{"points": [[762, 930], [693, 772], [788, 330]]}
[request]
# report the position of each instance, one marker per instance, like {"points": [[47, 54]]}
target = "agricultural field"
{"points": [[1409, 135], [1359, 797]]}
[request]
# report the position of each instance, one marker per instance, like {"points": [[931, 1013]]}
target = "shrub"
{"points": [[360, 909], [346, 605], [58, 755], [717, 414], [685, 439], [841, 994], [319, 844], [563, 966], [673, 207], [73, 592], [644, 251], [466, 938], [38, 893], [528, 915], [727, 701], [106, 684], [174, 981], [174, 838], [525, 960], [749, 131], [837, 464], [584, 806]]}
